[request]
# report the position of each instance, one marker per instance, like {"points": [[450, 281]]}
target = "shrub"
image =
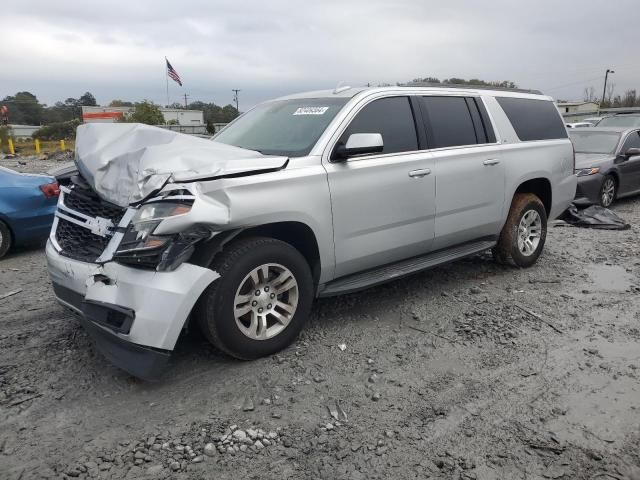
{"points": [[144, 112], [58, 131]]}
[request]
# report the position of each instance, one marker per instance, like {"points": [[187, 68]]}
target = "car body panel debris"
{"points": [[594, 216]]}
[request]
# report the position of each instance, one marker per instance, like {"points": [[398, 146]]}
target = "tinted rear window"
{"points": [[533, 119], [450, 121]]}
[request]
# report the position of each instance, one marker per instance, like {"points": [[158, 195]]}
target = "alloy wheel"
{"points": [[266, 301], [608, 191], [529, 232]]}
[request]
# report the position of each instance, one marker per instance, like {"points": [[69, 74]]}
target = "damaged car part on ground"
{"points": [[594, 216], [311, 195]]}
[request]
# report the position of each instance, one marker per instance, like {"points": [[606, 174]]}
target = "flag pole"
{"points": [[166, 76]]}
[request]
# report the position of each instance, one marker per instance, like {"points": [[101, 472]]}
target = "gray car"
{"points": [[607, 163], [620, 120], [310, 195]]}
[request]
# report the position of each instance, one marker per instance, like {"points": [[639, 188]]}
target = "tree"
{"points": [[462, 81], [630, 98], [87, 100], [145, 112], [120, 103], [211, 128], [24, 108], [426, 80], [214, 113], [589, 94]]}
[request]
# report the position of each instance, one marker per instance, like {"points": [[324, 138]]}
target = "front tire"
{"points": [[261, 301], [608, 191], [5, 239], [524, 233]]}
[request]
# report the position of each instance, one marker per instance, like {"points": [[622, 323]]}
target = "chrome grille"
{"points": [[84, 224]]}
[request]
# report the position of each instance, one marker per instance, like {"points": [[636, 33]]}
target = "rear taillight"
{"points": [[573, 147], [50, 190]]}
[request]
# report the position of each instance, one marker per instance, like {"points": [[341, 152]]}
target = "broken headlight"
{"points": [[139, 246]]}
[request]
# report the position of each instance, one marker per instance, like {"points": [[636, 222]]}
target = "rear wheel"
{"points": [[524, 233], [261, 300], [5, 239], [608, 191]]}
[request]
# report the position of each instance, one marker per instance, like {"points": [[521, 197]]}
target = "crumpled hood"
{"points": [[126, 162], [586, 160]]}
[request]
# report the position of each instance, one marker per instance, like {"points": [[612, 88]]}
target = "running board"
{"points": [[370, 278]]}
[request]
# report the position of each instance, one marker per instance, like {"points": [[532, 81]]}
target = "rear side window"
{"points": [[449, 122], [392, 118], [632, 141], [533, 119]]}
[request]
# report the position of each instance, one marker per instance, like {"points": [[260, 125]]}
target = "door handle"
{"points": [[421, 172], [491, 162]]}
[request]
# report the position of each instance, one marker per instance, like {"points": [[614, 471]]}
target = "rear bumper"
{"points": [[563, 194], [135, 316]]}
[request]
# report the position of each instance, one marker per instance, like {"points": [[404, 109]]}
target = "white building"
{"points": [[192, 118], [22, 131], [577, 107]]}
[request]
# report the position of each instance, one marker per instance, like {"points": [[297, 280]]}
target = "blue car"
{"points": [[27, 206]]}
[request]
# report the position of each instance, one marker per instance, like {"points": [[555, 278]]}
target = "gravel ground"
{"points": [[471, 370]]}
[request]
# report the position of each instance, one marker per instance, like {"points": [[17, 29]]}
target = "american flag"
{"points": [[173, 74]]}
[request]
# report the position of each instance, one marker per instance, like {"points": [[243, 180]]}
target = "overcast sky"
{"points": [[116, 49]]}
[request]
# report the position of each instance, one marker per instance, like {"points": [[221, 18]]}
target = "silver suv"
{"points": [[310, 195]]}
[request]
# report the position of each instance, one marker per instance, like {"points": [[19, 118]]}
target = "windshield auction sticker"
{"points": [[311, 110]]}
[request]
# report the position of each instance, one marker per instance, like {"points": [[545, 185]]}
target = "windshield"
{"points": [[287, 127], [586, 141], [620, 121]]}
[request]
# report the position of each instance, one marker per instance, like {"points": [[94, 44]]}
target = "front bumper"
{"points": [[135, 316], [588, 189]]}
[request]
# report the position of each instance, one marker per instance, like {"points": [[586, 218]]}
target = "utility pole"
{"points": [[185, 100], [604, 90], [235, 98]]}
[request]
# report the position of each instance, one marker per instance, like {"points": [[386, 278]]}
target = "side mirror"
{"points": [[632, 152], [359, 144]]}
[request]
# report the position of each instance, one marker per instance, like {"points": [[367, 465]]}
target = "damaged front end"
{"points": [[132, 287], [125, 230]]}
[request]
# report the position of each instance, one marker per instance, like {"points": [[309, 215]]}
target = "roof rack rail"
{"points": [[463, 86]]}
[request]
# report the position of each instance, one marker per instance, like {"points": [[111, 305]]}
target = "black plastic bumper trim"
{"points": [[140, 361]]}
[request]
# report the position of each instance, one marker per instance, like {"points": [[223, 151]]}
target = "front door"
{"points": [[630, 169], [383, 204]]}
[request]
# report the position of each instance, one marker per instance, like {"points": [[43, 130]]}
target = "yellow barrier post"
{"points": [[36, 143], [61, 145], [12, 150]]}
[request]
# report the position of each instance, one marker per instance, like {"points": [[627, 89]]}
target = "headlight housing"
{"points": [[139, 246], [585, 172]]}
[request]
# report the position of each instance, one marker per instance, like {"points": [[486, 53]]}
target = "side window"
{"points": [[632, 141], [533, 119], [392, 118], [449, 122]]}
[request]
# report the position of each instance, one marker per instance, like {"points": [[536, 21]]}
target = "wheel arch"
{"points": [[297, 234], [541, 187], [7, 224]]}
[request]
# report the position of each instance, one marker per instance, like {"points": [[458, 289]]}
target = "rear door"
{"points": [[630, 169], [469, 169], [383, 204]]}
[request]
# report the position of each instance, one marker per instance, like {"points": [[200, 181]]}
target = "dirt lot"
{"points": [[472, 370]]}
